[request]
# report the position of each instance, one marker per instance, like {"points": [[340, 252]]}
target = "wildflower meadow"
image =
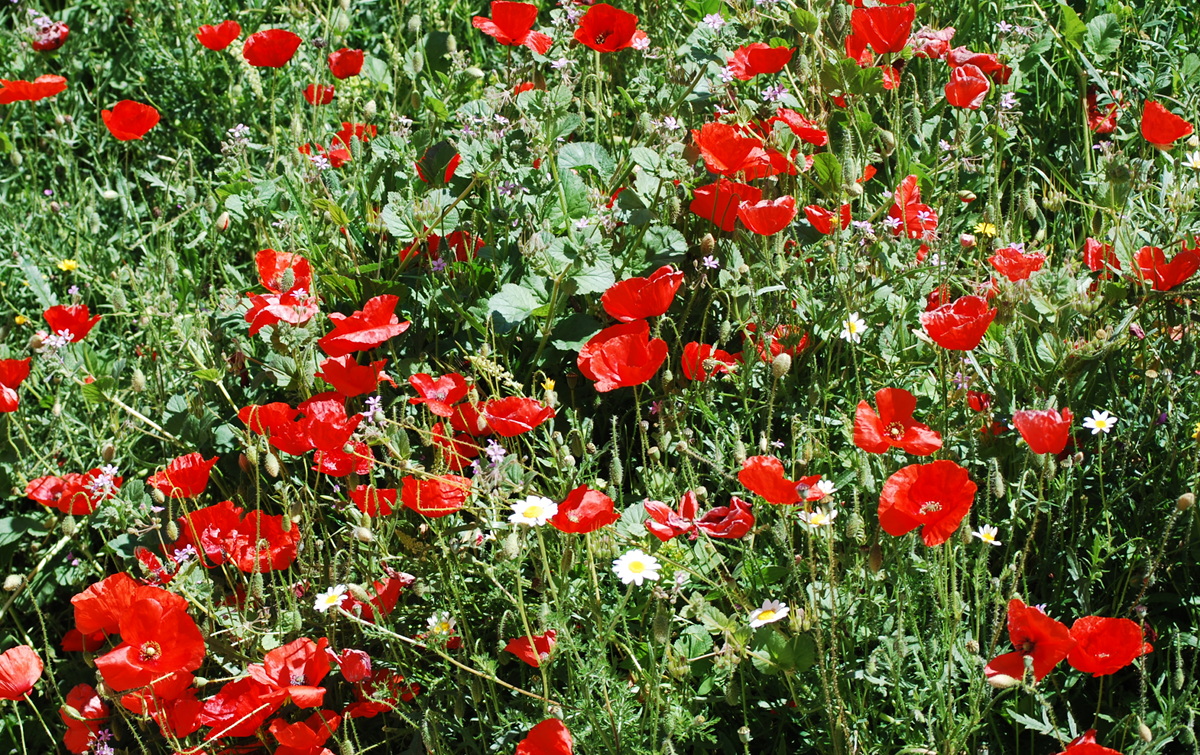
{"points": [[494, 378]]}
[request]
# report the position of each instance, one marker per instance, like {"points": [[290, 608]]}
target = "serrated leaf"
{"points": [[513, 304], [1104, 35], [1071, 26], [826, 173], [585, 155], [210, 375]]}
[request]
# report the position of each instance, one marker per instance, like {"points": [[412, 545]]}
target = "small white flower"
{"points": [[853, 327], [441, 623], [535, 511], [1192, 161], [636, 567], [331, 598], [987, 533], [825, 487], [818, 517], [771, 611], [1100, 422]]}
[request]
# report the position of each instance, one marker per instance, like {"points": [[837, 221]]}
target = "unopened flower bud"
{"points": [[222, 222], [13, 582], [966, 197], [781, 365], [108, 195], [875, 558], [707, 244], [108, 452], [363, 535], [1144, 732], [272, 465], [69, 527], [172, 530], [475, 72], [137, 381], [1185, 501], [1002, 681]]}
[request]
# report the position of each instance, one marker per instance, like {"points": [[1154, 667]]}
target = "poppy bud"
{"points": [[997, 479], [1185, 501], [137, 381], [256, 586], [172, 530], [222, 223], [1144, 732], [13, 582], [615, 470], [853, 190], [887, 141], [71, 712], [739, 451], [272, 465], [875, 558], [363, 535], [510, 547], [781, 365], [475, 72], [55, 207], [966, 197], [661, 628], [856, 528], [15, 158], [345, 4], [451, 44], [56, 410], [108, 195], [1002, 681], [158, 496], [707, 244], [108, 452]]}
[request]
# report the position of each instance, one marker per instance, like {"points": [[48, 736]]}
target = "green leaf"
{"points": [[211, 375], [775, 652], [586, 155], [826, 173], [37, 283], [1104, 36], [645, 157], [1071, 27], [512, 304], [97, 392], [593, 279], [573, 332], [338, 215], [805, 21]]}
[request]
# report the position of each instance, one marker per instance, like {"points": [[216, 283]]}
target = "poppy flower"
{"points": [[71, 320], [176, 717], [1102, 121], [92, 714], [622, 355], [157, 641], [345, 63], [438, 163], [367, 328], [364, 132], [1034, 634], [253, 542], [354, 457], [439, 395], [664, 523], [129, 120], [695, 355], [730, 522], [381, 693], [184, 477], [1085, 744], [295, 307], [719, 202], [51, 36], [767, 217], [934, 496], [512, 23], [318, 94], [533, 652], [31, 91], [1099, 256], [763, 475], [515, 415], [12, 373], [220, 36], [584, 510], [932, 43], [74, 493], [802, 127], [336, 155], [823, 220], [461, 245], [550, 737], [893, 426], [373, 501], [959, 325], [967, 87], [751, 60], [307, 737], [984, 61], [640, 298], [99, 608], [1161, 127], [885, 28], [1104, 646], [1016, 265], [1046, 431], [280, 272], [468, 419], [1153, 266], [789, 339], [435, 496], [350, 378], [20, 668], [240, 708], [270, 48], [979, 401], [297, 669], [607, 29], [729, 152], [916, 219]]}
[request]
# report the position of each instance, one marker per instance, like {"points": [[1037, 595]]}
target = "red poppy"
{"points": [[12, 373], [639, 298], [802, 127], [255, 542], [1164, 276], [979, 401], [789, 339], [295, 307], [435, 496], [763, 475], [885, 28], [461, 244], [512, 24], [88, 714], [74, 493], [607, 29], [265, 419], [240, 708], [354, 457], [20, 668], [220, 36], [274, 267], [1098, 256], [893, 426], [1102, 121], [1046, 431], [373, 501], [932, 43], [297, 669], [271, 48], [380, 693], [584, 510], [1105, 646], [438, 395], [751, 60], [129, 120], [350, 378], [326, 425], [158, 641], [984, 61], [364, 132], [184, 477], [695, 355], [960, 324], [51, 36], [719, 201], [1161, 127], [99, 608], [515, 415], [550, 737], [767, 217], [823, 220], [916, 219], [533, 652], [1016, 265], [622, 355], [1085, 744], [935, 496], [73, 320], [468, 419], [367, 328], [345, 63], [439, 161], [729, 152], [730, 522], [1034, 634], [664, 523], [176, 717], [336, 155], [318, 94], [31, 91], [967, 87], [307, 737]]}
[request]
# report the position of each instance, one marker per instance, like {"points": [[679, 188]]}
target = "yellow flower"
{"points": [[1196, 432], [985, 229], [20, 319], [548, 385], [68, 265]]}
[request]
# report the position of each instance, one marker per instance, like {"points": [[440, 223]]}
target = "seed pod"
{"points": [[707, 244], [972, 646], [744, 735], [108, 452], [1185, 501], [781, 365], [69, 528], [875, 558], [172, 530], [272, 465]]}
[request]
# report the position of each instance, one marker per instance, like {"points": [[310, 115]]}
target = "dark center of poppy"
{"points": [[603, 36], [895, 430], [1026, 647], [150, 651], [299, 679]]}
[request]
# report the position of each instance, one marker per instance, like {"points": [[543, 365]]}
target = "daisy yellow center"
{"points": [[637, 567], [443, 627], [1101, 423], [766, 615], [532, 511], [852, 326]]}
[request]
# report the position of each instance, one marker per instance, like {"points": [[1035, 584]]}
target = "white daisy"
{"points": [[987, 533], [441, 623], [1100, 422], [853, 327], [818, 517], [331, 598], [825, 487], [636, 567], [771, 611], [535, 511], [1192, 161]]}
